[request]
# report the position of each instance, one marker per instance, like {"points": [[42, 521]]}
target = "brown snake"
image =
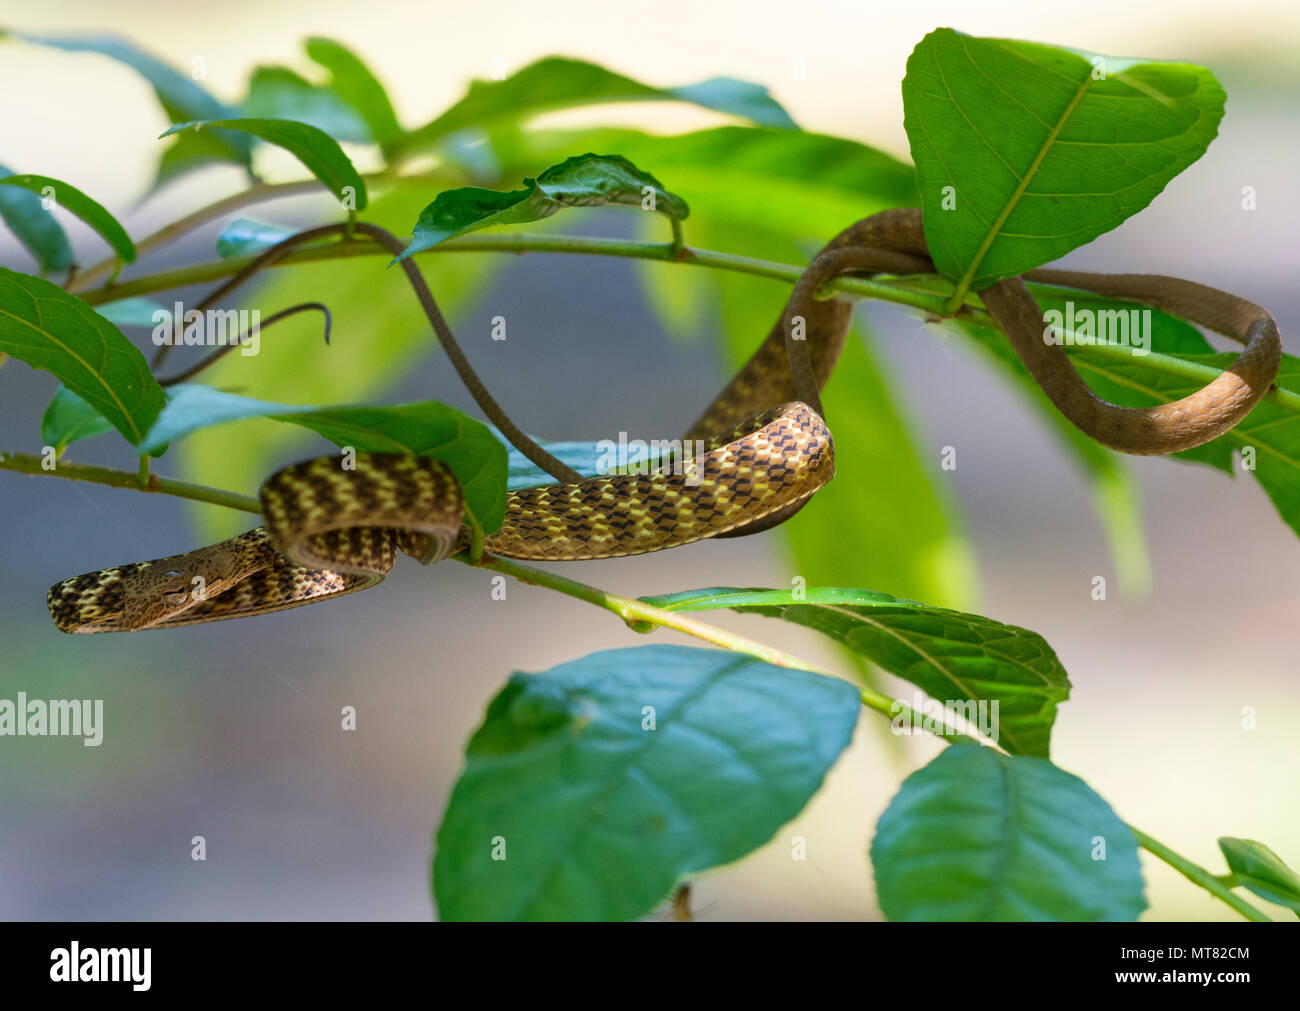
{"points": [[331, 531]]}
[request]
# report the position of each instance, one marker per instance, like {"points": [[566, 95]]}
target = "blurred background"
{"points": [[232, 731]]}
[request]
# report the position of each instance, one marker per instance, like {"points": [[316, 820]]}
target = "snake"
{"points": [[331, 529]]}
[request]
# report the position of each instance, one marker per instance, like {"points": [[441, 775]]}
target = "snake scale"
{"points": [[331, 531]]}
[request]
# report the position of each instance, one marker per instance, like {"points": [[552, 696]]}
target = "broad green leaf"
{"points": [[35, 227], [1025, 151], [588, 180], [1258, 868], [353, 81], [611, 777], [244, 237], [316, 149], [976, 835], [951, 656], [279, 93], [90, 211], [181, 96], [379, 333], [44, 326], [427, 429], [559, 83]]}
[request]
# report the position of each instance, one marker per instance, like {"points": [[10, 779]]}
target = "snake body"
{"points": [[331, 531]]}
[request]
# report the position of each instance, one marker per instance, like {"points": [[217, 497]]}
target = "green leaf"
{"points": [[181, 96], [599, 816], [35, 227], [951, 656], [44, 326], [191, 151], [559, 83], [588, 180], [244, 236], [279, 93], [976, 835], [352, 81], [1044, 148], [426, 428], [91, 212], [316, 149], [69, 419], [1258, 868]]}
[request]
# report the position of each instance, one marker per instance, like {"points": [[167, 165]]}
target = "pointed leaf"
{"points": [[316, 149], [73, 200], [951, 656], [1258, 868], [1025, 151], [35, 227], [352, 81]]}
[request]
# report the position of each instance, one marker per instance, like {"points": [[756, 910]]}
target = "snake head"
{"points": [[161, 590]]}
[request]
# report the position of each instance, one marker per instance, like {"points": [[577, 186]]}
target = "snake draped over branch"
{"points": [[330, 531]]}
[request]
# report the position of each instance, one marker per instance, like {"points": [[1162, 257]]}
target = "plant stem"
{"points": [[524, 243], [1198, 875], [629, 609], [26, 463]]}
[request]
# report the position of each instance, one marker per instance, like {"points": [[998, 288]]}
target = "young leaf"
{"points": [[426, 428], [559, 83], [44, 326], [588, 180], [279, 93], [316, 149], [352, 81], [243, 237], [976, 835], [135, 311], [1258, 868], [35, 227], [950, 655], [611, 777], [69, 418], [91, 212], [1025, 151]]}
